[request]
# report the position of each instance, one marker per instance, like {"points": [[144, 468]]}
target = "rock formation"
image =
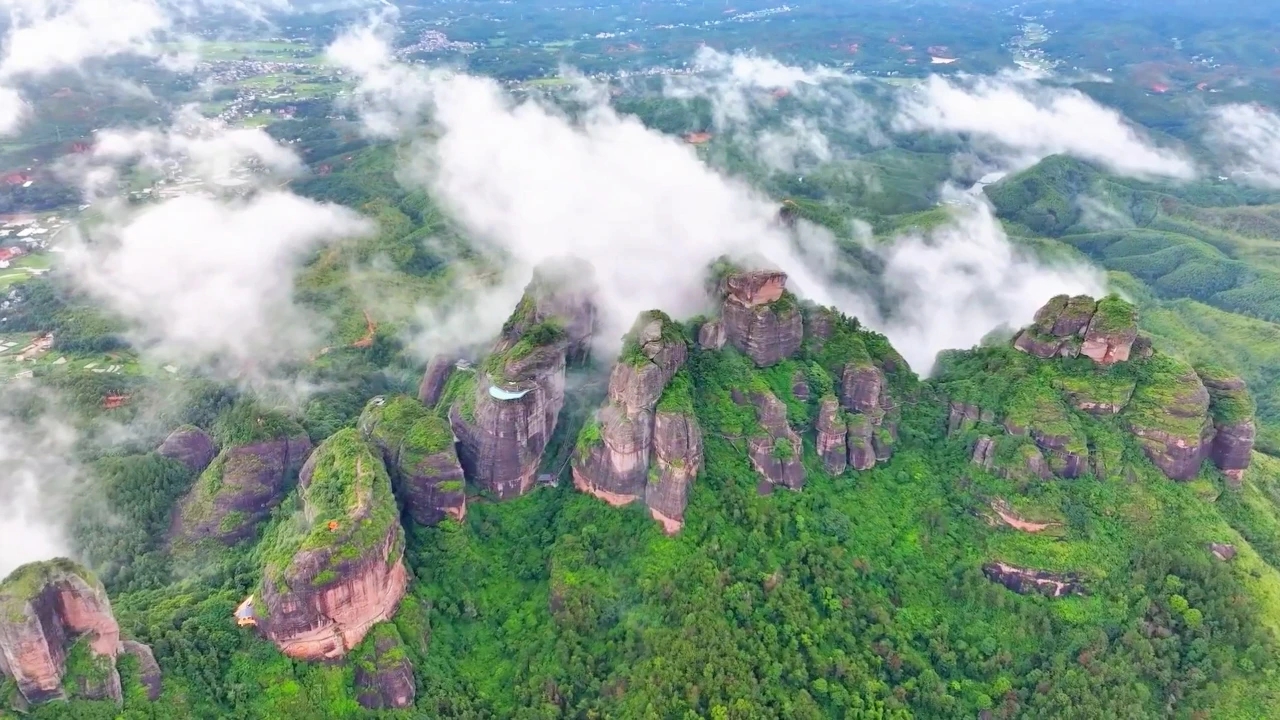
{"points": [[760, 318], [984, 452], [1104, 331], [336, 571], [419, 452], [1026, 581], [776, 451], [677, 460], [1232, 409], [711, 335], [190, 446], [872, 425], [148, 668], [1169, 414], [963, 417], [503, 424], [624, 454], [383, 673], [832, 444], [244, 482], [435, 378], [58, 635]]}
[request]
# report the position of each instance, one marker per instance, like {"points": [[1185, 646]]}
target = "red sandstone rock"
{"points": [[45, 608]]}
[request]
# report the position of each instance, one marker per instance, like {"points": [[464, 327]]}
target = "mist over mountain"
{"points": [[759, 361]]}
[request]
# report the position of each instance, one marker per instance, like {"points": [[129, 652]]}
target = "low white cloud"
{"points": [[747, 93], [533, 184], [39, 478], [1247, 141], [209, 281], [392, 97], [202, 148], [1027, 121], [956, 283], [49, 36]]}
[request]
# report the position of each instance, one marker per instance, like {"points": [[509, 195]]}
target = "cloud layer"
{"points": [[38, 479], [1247, 139], [204, 278], [533, 184], [1026, 121]]}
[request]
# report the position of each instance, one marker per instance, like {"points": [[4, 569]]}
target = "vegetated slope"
{"points": [[869, 592], [1200, 260]]}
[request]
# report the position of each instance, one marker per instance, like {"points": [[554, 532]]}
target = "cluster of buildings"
{"points": [[432, 41]]}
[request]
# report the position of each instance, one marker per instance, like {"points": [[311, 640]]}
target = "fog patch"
{"points": [[1247, 141], [1026, 121]]}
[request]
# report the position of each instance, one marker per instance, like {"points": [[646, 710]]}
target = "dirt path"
{"points": [[1013, 520], [372, 327]]}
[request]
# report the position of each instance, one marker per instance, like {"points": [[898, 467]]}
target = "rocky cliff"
{"points": [[1232, 409], [1169, 414], [58, 637], [335, 569], [419, 452], [1157, 398], [1027, 581], [775, 449], [383, 673], [613, 456], [832, 444], [504, 421], [1103, 331], [190, 446], [437, 374], [760, 317], [262, 452]]}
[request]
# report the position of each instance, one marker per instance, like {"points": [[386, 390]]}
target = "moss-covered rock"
{"points": [[418, 448], [335, 568], [58, 636], [1169, 414], [383, 672], [1232, 408]]}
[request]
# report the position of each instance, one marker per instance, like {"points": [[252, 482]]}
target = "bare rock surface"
{"points": [[776, 452], [615, 453], [435, 378], [338, 570], [383, 673], [760, 318], [677, 459], [48, 611], [190, 446]]}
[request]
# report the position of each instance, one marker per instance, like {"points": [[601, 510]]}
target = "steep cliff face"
{"points": [[614, 451], [1169, 414], [434, 379], [1157, 398], [335, 569], [149, 669], [57, 633], [1103, 331], [1232, 409], [190, 446], [1026, 581], [383, 673], [864, 392], [504, 423], [260, 458], [760, 318], [677, 455], [419, 452], [832, 444], [776, 450]]}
